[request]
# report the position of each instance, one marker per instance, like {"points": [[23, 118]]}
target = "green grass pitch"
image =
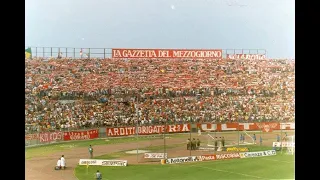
{"points": [[280, 166]]}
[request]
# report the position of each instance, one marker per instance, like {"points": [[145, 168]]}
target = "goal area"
{"points": [[237, 138], [289, 145]]}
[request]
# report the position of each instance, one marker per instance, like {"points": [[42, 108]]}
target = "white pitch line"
{"points": [[74, 173], [248, 175]]}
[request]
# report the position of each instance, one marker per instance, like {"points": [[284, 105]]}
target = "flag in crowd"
{"points": [[28, 53]]}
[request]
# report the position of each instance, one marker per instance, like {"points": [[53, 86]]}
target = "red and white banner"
{"points": [[167, 53], [228, 156], [209, 127], [210, 157], [146, 130], [29, 137], [81, 135], [247, 56], [50, 136], [287, 126], [266, 127]]}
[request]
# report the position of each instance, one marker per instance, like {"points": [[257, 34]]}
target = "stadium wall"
{"points": [[43, 138]]}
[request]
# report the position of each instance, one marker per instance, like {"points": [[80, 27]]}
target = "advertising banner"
{"points": [[228, 156], [257, 154], [206, 148], [182, 159], [155, 155], [265, 127], [29, 137], [284, 144], [114, 163], [101, 162], [287, 126], [147, 130], [204, 127], [247, 56], [238, 149], [207, 157], [90, 162], [50, 136], [81, 135], [167, 53]]}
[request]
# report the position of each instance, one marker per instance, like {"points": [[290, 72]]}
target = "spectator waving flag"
{"points": [[28, 53]]}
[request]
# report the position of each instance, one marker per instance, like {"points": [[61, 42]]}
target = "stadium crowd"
{"points": [[69, 94]]}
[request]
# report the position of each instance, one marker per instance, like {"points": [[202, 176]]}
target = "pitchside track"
{"points": [[41, 167]]}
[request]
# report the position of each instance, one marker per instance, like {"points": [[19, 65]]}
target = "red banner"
{"points": [[81, 135], [207, 157], [29, 137], [167, 53], [266, 126], [228, 156], [146, 130], [209, 127], [50, 136], [247, 56]]}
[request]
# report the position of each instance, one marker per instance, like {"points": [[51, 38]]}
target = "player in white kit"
{"points": [[63, 162]]}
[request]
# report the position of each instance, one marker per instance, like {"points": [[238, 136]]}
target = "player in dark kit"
{"points": [[198, 143], [188, 144], [193, 144], [216, 143], [286, 136], [222, 141], [90, 149]]}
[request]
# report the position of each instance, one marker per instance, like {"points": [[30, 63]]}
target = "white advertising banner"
{"points": [[101, 162], [155, 155], [114, 163], [257, 154], [206, 148], [284, 144], [182, 160]]}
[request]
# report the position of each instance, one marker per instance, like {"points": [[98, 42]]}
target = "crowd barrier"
{"points": [[60, 136]]}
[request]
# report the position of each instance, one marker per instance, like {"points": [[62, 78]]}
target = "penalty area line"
{"points": [[74, 173], [230, 172]]}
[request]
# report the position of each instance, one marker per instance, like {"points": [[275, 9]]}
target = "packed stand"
{"points": [[68, 94]]}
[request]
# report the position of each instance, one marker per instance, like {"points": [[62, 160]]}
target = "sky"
{"points": [[191, 24]]}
